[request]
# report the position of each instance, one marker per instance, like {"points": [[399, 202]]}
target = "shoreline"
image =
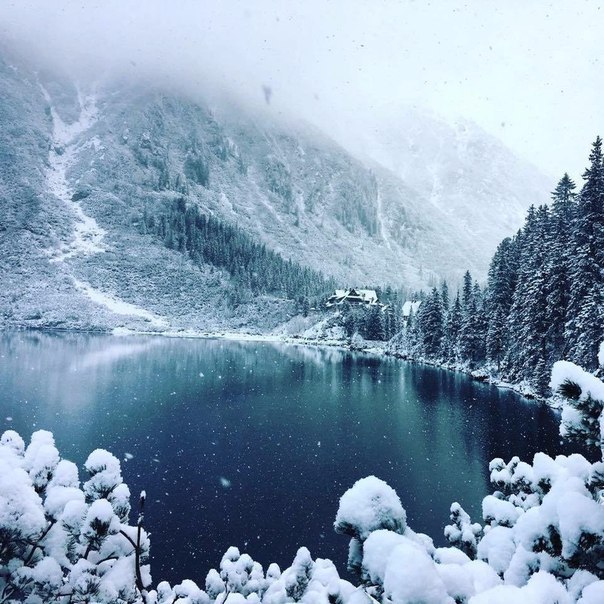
{"points": [[373, 349]]}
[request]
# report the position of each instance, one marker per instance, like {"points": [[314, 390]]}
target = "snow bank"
{"points": [[119, 307]]}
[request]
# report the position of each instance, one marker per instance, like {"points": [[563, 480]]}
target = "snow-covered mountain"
{"points": [[481, 186], [80, 167]]}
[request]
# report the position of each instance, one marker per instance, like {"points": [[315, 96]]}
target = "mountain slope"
{"points": [[84, 167], [481, 186]]}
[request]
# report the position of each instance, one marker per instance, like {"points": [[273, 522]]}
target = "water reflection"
{"points": [[252, 444]]}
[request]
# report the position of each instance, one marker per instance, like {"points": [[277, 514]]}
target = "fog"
{"points": [[530, 73]]}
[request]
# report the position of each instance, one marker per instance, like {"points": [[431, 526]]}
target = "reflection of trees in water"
{"points": [[312, 354], [75, 351]]}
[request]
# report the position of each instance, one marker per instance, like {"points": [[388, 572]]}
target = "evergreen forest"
{"points": [[253, 267], [543, 297]]}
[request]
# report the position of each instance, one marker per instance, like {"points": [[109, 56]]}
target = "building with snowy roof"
{"points": [[353, 296]]}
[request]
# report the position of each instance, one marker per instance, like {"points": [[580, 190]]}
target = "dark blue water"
{"points": [[252, 444]]}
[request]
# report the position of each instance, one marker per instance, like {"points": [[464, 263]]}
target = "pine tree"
{"points": [[545, 294], [452, 330], [557, 267], [467, 290], [583, 337], [497, 340], [207, 240], [527, 312], [375, 324], [533, 334], [444, 296], [476, 326], [501, 282], [473, 325], [431, 324]]}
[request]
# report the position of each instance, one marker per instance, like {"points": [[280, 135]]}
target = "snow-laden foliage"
{"points": [[543, 534], [542, 541], [60, 541], [583, 392], [370, 505], [463, 533]]}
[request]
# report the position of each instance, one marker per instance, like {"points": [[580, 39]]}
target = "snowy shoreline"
{"points": [[377, 349]]}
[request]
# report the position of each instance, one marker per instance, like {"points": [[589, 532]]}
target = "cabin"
{"points": [[368, 297]]}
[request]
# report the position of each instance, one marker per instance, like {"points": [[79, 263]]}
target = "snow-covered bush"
{"points": [[65, 542], [543, 534], [463, 533], [542, 540], [60, 542], [583, 401]]}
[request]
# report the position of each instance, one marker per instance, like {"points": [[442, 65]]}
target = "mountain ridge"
{"points": [[135, 149]]}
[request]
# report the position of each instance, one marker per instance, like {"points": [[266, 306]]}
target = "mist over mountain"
{"points": [[478, 183], [86, 164]]}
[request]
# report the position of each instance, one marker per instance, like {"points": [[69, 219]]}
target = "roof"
{"points": [[368, 296]]}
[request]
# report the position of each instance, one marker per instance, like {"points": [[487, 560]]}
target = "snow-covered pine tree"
{"points": [[503, 274], [444, 297], [473, 330], [535, 330], [479, 325], [557, 267], [452, 331], [208, 240], [430, 318], [545, 294], [467, 290], [527, 317], [584, 328], [374, 324]]}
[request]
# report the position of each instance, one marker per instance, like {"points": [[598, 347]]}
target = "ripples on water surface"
{"points": [[252, 444]]}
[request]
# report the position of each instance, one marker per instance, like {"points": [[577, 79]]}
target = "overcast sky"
{"points": [[531, 72]]}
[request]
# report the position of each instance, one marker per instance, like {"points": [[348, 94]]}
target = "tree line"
{"points": [[543, 297], [253, 267], [371, 322]]}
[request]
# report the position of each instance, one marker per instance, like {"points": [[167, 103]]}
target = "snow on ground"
{"points": [[87, 234], [381, 220], [117, 306]]}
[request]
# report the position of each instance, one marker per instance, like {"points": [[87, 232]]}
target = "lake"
{"points": [[252, 444]]}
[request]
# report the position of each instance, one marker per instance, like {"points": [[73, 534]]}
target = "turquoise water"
{"points": [[252, 444]]}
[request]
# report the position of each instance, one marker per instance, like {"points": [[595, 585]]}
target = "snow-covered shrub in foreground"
{"points": [[543, 534], [583, 393], [64, 542], [542, 541], [60, 541]]}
